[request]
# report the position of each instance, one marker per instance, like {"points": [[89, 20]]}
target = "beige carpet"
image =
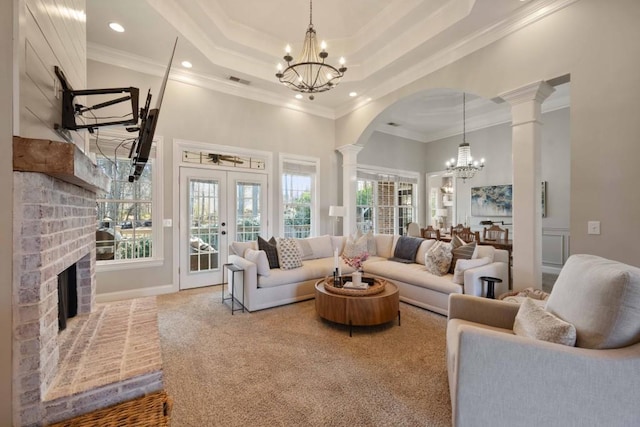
{"points": [[287, 367]]}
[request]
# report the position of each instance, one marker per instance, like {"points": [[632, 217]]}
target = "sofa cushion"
{"points": [[464, 251], [385, 244], [533, 321], [288, 253], [239, 248], [321, 246], [306, 252], [312, 270], [485, 251], [464, 264], [271, 249], [601, 298], [259, 258], [438, 258], [414, 274]]}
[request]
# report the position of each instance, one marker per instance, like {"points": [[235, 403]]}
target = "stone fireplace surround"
{"points": [[109, 353]]}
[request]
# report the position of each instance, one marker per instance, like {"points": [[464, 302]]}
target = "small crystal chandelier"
{"points": [[465, 167], [310, 74]]}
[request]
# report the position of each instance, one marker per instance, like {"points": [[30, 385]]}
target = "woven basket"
{"points": [[376, 288], [152, 410]]}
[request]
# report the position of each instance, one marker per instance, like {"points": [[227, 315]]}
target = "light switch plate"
{"points": [[593, 227], [167, 222]]}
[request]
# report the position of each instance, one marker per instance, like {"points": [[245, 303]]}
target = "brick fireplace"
{"points": [[100, 359]]}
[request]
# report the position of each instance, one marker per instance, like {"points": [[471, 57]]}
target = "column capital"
{"points": [[537, 91], [350, 151]]}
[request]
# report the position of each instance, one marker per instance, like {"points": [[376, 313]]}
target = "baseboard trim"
{"points": [[134, 293]]}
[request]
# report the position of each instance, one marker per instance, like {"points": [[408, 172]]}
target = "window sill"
{"points": [[128, 265]]}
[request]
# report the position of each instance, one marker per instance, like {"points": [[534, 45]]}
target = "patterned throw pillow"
{"points": [[289, 253], [461, 252], [271, 250], [533, 321], [438, 258], [354, 247]]}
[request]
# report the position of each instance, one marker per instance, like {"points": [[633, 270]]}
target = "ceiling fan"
{"points": [[217, 158]]}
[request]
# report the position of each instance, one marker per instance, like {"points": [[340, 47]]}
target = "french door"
{"points": [[217, 207]]}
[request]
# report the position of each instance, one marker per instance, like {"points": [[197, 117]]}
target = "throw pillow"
{"points": [[406, 248], [438, 258], [271, 249], [259, 258], [355, 247], [461, 252], [464, 264], [371, 244], [533, 321], [288, 253], [422, 250]]}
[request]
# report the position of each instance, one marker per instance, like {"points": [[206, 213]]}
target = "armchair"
{"points": [[499, 378]]}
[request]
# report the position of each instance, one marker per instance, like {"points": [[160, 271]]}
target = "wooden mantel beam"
{"points": [[61, 160]]}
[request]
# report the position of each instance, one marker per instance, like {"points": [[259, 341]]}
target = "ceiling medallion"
{"points": [[310, 74]]}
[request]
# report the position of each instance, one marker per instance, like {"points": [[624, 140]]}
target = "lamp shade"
{"points": [[442, 212], [336, 210]]}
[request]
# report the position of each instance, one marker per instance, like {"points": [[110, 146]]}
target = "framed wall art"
{"points": [[493, 200]]}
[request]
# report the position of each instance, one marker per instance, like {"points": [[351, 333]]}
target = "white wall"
{"points": [[51, 33], [594, 43], [196, 114], [6, 194]]}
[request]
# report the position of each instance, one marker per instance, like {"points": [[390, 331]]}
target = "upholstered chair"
{"points": [[506, 367]]}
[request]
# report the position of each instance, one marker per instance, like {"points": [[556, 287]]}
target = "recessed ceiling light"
{"points": [[298, 96], [116, 27], [352, 94], [186, 64]]}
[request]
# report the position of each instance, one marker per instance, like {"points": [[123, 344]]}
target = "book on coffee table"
{"points": [[350, 285]]}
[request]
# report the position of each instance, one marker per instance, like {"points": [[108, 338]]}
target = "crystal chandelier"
{"points": [[465, 167], [310, 74]]}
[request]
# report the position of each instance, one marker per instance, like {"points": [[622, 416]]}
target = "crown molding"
{"points": [[464, 47], [140, 64]]}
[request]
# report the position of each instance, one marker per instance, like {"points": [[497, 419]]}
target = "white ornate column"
{"points": [[526, 143], [349, 186]]}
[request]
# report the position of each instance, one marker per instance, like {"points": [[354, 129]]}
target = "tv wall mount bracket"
{"points": [[71, 110]]}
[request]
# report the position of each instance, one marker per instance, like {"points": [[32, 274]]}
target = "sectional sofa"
{"points": [[264, 287]]}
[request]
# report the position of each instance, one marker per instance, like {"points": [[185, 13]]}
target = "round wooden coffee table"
{"points": [[365, 310]]}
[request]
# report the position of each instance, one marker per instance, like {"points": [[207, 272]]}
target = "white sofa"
{"points": [[416, 285]]}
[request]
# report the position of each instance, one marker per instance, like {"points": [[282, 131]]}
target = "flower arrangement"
{"points": [[357, 261]]}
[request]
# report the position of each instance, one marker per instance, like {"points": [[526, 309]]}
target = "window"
{"points": [[385, 203], [126, 230], [299, 202], [248, 211]]}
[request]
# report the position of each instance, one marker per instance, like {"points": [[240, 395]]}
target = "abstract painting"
{"points": [[494, 200]]}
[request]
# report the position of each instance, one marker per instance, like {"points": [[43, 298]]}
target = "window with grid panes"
{"points": [[385, 203], [125, 224], [298, 197]]}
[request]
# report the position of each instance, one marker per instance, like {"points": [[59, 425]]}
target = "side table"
{"points": [[491, 281], [233, 269]]}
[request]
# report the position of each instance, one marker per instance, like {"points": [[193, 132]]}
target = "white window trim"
{"points": [[157, 258], [315, 189]]}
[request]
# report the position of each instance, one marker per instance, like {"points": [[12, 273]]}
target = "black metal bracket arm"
{"points": [[70, 110]]}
